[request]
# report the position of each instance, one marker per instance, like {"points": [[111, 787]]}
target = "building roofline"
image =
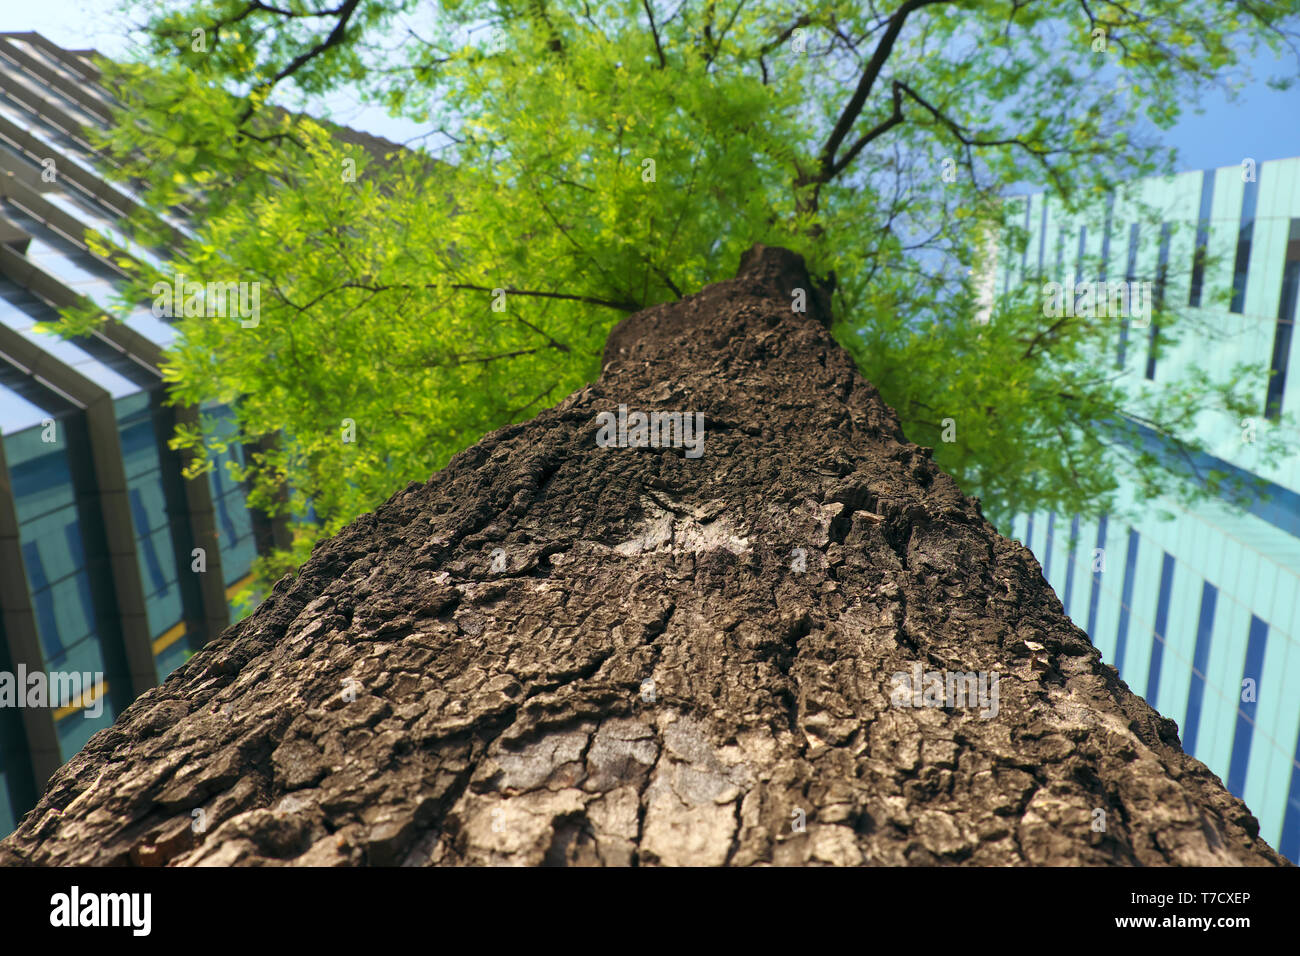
{"points": [[79, 61]]}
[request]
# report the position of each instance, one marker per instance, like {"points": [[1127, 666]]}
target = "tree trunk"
{"points": [[558, 652]]}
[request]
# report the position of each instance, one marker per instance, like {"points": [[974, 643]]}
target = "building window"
{"points": [[1095, 596], [1024, 252], [1042, 236], [1200, 663], [1286, 309], [1078, 265], [234, 523], [1245, 233], [1047, 547], [1256, 644], [1202, 237], [1162, 278], [1160, 632], [1126, 599], [1069, 565], [1078, 257], [1130, 276], [1289, 844], [1105, 237], [150, 514]]}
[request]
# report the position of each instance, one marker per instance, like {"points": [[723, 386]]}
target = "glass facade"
{"points": [[1130, 275], [64, 557], [1286, 312], [1241, 262], [1201, 655], [87, 475], [1202, 238], [1162, 282], [17, 785], [155, 549], [1201, 613], [234, 523]]}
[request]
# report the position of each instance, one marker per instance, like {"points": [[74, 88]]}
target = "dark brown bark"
{"points": [[503, 715]]}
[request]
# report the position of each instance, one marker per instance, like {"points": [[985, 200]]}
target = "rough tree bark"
{"points": [[682, 661]]}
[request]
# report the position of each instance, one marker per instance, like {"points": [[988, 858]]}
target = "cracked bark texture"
{"points": [[683, 661]]}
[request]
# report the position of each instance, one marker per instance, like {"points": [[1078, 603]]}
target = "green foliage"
{"points": [[598, 158]]}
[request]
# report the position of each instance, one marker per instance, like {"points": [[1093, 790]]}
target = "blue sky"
{"points": [[1261, 122]]}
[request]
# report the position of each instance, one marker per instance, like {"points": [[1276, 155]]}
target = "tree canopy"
{"points": [[587, 159]]}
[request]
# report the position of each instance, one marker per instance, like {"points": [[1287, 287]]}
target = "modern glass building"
{"points": [[1200, 614], [111, 563]]}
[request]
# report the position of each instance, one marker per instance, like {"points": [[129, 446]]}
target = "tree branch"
{"points": [[345, 10], [654, 32], [858, 100]]}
